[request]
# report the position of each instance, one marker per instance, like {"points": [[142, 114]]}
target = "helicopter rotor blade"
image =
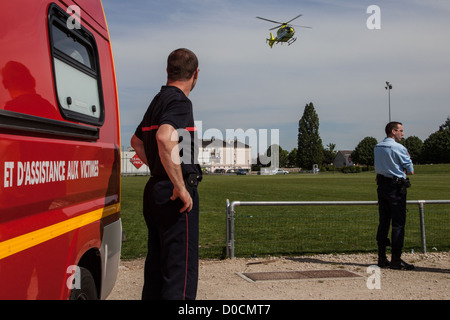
{"points": [[294, 18], [293, 25], [277, 27], [270, 20], [282, 24]]}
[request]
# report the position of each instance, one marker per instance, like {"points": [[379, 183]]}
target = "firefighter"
{"points": [[166, 141]]}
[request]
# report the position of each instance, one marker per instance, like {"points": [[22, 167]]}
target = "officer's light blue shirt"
{"points": [[391, 159]]}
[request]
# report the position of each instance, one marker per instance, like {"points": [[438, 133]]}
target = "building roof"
{"points": [[345, 152], [220, 143]]}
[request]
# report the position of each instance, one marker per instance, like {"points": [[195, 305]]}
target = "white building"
{"points": [[218, 154], [213, 154], [343, 159]]}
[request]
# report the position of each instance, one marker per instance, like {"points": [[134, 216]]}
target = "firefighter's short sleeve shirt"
{"points": [[170, 106]]}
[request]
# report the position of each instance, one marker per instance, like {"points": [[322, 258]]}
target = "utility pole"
{"points": [[389, 87]]}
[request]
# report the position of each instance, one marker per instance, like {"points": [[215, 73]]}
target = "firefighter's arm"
{"points": [[138, 146], [167, 139]]}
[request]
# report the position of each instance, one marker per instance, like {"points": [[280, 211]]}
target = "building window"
{"points": [[76, 70]]}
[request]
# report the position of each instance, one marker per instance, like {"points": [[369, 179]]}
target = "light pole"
{"points": [[389, 87]]}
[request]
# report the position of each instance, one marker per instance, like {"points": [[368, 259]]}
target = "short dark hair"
{"points": [[391, 126], [181, 64]]}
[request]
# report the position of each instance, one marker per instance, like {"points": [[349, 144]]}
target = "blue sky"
{"points": [[340, 65]]}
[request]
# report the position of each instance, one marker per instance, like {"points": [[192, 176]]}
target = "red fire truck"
{"points": [[60, 227]]}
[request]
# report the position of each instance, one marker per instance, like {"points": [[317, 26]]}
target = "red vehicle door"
{"points": [[60, 227]]}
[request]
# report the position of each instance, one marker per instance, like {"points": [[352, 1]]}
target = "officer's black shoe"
{"points": [[383, 262], [401, 265]]}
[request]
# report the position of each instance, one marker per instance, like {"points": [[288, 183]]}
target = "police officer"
{"points": [[166, 141], [392, 164]]}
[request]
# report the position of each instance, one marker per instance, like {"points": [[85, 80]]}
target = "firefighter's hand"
{"points": [[185, 197]]}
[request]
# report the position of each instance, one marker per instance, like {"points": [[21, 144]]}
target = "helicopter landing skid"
{"points": [[291, 41]]}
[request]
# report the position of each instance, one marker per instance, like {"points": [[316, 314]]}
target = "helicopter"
{"points": [[285, 31]]}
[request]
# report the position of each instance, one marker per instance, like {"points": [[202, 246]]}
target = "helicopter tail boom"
{"points": [[271, 40]]}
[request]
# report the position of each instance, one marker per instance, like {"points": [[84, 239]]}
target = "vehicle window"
{"points": [[76, 70], [67, 44]]}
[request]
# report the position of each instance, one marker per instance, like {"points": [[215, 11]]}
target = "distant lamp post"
{"points": [[389, 87]]}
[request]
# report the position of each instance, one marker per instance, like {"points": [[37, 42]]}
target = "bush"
{"points": [[352, 169]]}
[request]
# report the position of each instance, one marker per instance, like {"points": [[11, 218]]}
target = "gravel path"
{"points": [[220, 280]]}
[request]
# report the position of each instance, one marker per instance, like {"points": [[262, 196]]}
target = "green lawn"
{"points": [[296, 230]]}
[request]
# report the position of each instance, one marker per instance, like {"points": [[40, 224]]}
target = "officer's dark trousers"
{"points": [[392, 207], [171, 266]]}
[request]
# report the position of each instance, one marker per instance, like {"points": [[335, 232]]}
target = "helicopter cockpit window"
{"points": [[76, 69]]}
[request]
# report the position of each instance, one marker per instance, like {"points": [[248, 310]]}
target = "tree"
{"points": [[292, 158], [329, 154], [283, 155], [414, 146], [331, 147], [446, 125], [436, 149], [363, 153], [310, 149]]}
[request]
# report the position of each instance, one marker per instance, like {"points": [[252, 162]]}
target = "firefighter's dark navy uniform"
{"points": [[171, 266]]}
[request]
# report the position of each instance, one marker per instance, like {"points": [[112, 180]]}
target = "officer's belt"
{"points": [[381, 178], [192, 180]]}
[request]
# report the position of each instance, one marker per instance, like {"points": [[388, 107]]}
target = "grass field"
{"points": [[296, 230]]}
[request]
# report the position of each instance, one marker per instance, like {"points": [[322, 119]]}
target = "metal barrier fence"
{"points": [[230, 214]]}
